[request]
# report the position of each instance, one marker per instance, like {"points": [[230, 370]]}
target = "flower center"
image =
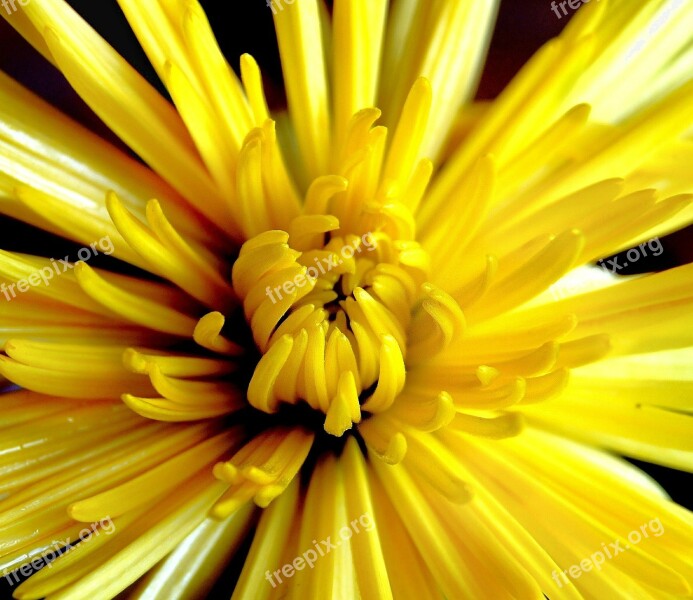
{"points": [[331, 314], [339, 303]]}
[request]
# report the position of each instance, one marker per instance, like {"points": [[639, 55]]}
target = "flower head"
{"points": [[340, 342]]}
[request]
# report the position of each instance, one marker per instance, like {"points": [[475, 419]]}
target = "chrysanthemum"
{"points": [[340, 365]]}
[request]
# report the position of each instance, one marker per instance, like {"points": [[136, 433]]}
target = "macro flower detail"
{"points": [[329, 362]]}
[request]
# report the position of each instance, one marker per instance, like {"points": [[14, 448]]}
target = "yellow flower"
{"points": [[342, 364]]}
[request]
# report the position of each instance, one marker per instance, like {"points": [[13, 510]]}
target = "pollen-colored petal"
{"points": [[199, 119], [146, 487], [639, 65], [391, 377], [446, 43], [181, 514], [210, 546], [211, 69], [356, 57], [438, 552], [168, 254], [130, 306], [106, 383], [58, 166], [344, 408], [303, 62], [270, 538], [176, 365], [137, 104], [207, 333], [409, 135]]}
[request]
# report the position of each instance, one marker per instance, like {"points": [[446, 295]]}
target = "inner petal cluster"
{"points": [[331, 315]]}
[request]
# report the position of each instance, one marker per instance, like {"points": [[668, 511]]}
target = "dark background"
{"points": [[521, 29]]}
